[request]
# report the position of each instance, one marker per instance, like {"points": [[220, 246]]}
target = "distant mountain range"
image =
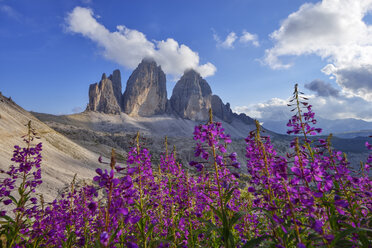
{"points": [[344, 128]]}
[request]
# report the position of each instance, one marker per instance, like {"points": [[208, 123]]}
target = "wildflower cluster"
{"points": [[309, 198]]}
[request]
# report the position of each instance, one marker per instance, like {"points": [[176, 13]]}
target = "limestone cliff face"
{"points": [[191, 97], [145, 93], [221, 110], [115, 78], [102, 97]]}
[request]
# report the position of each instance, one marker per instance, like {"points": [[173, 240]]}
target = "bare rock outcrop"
{"points": [[145, 93], [191, 97], [221, 110], [115, 78], [102, 97], [244, 118]]}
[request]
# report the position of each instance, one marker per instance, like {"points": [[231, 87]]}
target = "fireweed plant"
{"points": [[309, 198]]}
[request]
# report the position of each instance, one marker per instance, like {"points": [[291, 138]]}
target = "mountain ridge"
{"points": [[62, 157], [343, 128], [145, 95]]}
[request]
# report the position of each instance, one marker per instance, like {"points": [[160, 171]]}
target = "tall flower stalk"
{"points": [[309, 198]]}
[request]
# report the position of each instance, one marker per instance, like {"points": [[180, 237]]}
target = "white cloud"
{"points": [[248, 37], [335, 31], [232, 37], [229, 41], [128, 46], [274, 108], [328, 107]]}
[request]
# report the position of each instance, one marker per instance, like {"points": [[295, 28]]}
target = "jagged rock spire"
{"points": [[145, 93], [105, 96]]}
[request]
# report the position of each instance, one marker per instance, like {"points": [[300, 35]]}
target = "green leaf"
{"points": [[8, 218], [216, 212], [236, 217], [13, 199], [228, 195], [364, 239], [341, 235], [256, 241]]}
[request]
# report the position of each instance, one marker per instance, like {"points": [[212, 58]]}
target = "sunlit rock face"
{"points": [[145, 93], [102, 97]]}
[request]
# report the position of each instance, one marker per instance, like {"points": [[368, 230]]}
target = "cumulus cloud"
{"points": [[274, 108], [334, 30], [248, 37], [340, 107], [228, 42], [232, 37], [355, 80], [322, 88], [128, 46]]}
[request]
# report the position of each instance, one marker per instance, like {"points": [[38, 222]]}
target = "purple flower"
{"points": [[104, 238], [132, 245], [92, 206], [317, 226], [251, 189], [301, 245], [329, 237], [233, 156], [193, 163], [199, 167], [7, 202], [237, 175], [236, 165], [123, 211]]}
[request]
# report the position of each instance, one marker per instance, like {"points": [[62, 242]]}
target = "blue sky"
{"points": [[251, 52]]}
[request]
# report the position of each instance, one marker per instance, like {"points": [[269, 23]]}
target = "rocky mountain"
{"points": [[145, 93], [115, 78], [192, 97], [221, 110], [244, 118], [105, 96]]}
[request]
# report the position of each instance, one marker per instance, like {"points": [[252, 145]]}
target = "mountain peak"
{"points": [[191, 72], [146, 92], [191, 98], [146, 95], [148, 60], [105, 96]]}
